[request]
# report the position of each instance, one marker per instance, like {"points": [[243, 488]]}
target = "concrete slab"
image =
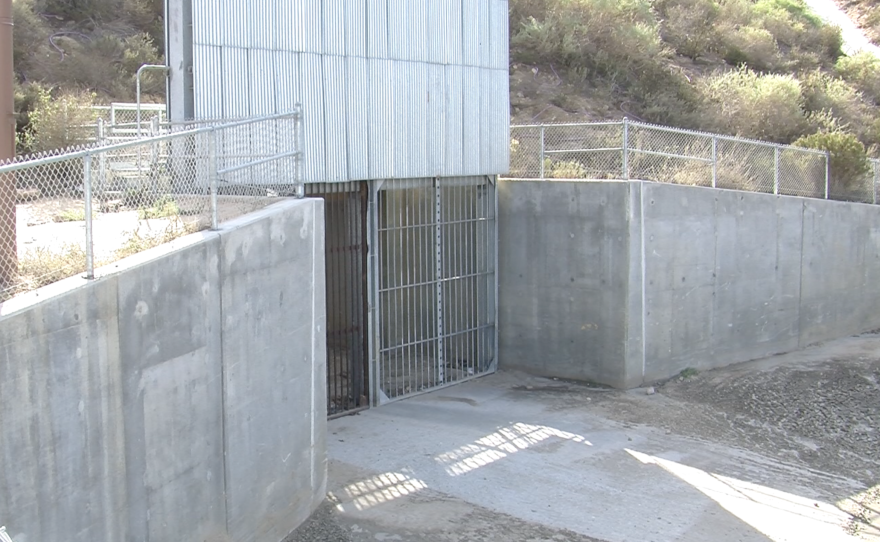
{"points": [[538, 460]]}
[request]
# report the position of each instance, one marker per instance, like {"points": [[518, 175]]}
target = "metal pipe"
{"points": [[87, 194], [625, 148], [8, 252], [827, 172], [142, 69], [300, 154], [212, 174], [874, 172], [714, 162], [776, 170], [542, 151]]}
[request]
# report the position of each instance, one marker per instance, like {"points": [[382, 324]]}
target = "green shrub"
{"points": [[843, 102], [565, 169], [57, 122], [689, 25], [750, 46], [748, 104], [863, 71], [618, 41], [849, 163]]}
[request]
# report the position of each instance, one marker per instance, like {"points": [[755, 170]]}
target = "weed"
{"points": [[690, 372], [164, 207], [74, 214]]}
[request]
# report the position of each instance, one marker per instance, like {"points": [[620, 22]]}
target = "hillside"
{"points": [[767, 69]]}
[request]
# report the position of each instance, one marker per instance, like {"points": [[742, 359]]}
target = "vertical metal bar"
{"points": [[438, 217], [542, 151], [374, 251], [714, 162], [87, 194], [625, 148], [776, 170], [212, 175], [827, 172], [364, 195], [874, 172], [298, 147], [102, 160]]}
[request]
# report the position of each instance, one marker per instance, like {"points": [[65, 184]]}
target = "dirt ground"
{"points": [[817, 411]]}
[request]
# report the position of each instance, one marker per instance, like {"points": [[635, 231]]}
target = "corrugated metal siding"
{"points": [[381, 116], [236, 95], [334, 27], [262, 26], [398, 38], [356, 28], [418, 119], [439, 108], [207, 79], [497, 31], [472, 121], [262, 83], [377, 29], [402, 113], [454, 115], [435, 148], [484, 28], [470, 28], [336, 168], [358, 100], [312, 87], [287, 78]]}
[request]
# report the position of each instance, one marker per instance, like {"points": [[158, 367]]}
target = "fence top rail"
{"points": [[568, 124], [683, 131], [26, 163]]}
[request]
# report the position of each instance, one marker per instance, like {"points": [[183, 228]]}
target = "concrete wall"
{"points": [[628, 282], [180, 396]]}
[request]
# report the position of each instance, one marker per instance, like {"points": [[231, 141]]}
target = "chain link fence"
{"points": [[634, 150], [69, 212]]}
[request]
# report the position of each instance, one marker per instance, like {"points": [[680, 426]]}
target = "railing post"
{"points": [[776, 170], [102, 159], [212, 176], [625, 148], [542, 151], [300, 156], [714, 162], [874, 171], [87, 194], [827, 172]]}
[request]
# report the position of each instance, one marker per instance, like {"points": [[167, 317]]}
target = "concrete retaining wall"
{"points": [[624, 283], [178, 397]]}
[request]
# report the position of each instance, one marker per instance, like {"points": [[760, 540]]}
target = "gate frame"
{"points": [[377, 396]]}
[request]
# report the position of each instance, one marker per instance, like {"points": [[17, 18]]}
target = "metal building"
{"points": [[406, 124]]}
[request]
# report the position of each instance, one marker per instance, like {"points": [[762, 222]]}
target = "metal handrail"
{"points": [[39, 161]]}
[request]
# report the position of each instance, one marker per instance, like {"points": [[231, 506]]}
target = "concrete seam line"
{"points": [[644, 275], [800, 305], [223, 412], [314, 409]]}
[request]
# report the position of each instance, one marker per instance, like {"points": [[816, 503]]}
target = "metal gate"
{"points": [[434, 287], [345, 217]]}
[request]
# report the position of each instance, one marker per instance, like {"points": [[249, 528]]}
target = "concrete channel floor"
{"points": [[511, 457]]}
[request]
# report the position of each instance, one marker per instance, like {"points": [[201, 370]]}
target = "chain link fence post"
{"points": [[542, 152], [87, 194], [776, 170], [714, 162], [212, 177], [827, 172], [625, 148], [875, 171], [300, 155]]}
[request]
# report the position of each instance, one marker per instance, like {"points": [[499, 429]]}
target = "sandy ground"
{"points": [[785, 448]]}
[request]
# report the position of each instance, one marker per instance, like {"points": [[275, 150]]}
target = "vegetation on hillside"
{"points": [[69, 54], [765, 69]]}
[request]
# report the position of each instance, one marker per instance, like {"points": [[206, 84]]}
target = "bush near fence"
{"points": [[634, 150]]}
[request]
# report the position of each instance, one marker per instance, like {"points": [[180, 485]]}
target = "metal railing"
{"points": [[635, 150], [73, 210], [3, 536]]}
